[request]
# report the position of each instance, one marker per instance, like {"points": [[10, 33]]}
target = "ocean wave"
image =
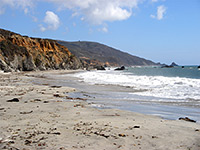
{"points": [[154, 86]]}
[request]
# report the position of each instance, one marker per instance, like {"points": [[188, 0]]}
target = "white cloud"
{"points": [[161, 10], [23, 4], [153, 1], [99, 11], [42, 28], [103, 29], [51, 20]]}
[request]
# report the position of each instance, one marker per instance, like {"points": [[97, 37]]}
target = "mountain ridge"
{"points": [[23, 53], [104, 54]]}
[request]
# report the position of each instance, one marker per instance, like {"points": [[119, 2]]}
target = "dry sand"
{"points": [[44, 119]]}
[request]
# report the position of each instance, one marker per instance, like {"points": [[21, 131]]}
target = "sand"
{"points": [[44, 118]]}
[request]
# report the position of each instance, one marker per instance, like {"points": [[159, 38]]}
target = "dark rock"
{"points": [[173, 64], [166, 66], [56, 133], [13, 100], [100, 68], [122, 135], [55, 86], [26, 112], [198, 66], [28, 64], [121, 68], [27, 142], [187, 119], [182, 67], [153, 137], [136, 127]]}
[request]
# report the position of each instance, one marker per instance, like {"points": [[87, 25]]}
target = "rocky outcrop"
{"points": [[121, 68], [173, 64], [27, 54]]}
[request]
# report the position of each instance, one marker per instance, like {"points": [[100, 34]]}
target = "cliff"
{"points": [[27, 54], [95, 53]]}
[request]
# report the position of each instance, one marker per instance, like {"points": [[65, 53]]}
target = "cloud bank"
{"points": [[95, 12], [99, 11]]}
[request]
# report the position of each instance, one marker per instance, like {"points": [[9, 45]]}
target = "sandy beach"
{"points": [[44, 117]]}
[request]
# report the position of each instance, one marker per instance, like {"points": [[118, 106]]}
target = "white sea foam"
{"points": [[156, 86]]}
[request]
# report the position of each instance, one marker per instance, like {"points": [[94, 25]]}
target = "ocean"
{"points": [[169, 93], [166, 92]]}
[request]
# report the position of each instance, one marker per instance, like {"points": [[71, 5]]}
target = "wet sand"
{"points": [[44, 117]]}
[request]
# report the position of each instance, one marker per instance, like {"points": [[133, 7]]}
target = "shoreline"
{"points": [[43, 119]]}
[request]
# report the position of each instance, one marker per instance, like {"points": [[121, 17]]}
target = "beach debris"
{"points": [[187, 119], [197, 130], [46, 102], [27, 142], [77, 98], [77, 105], [55, 86], [36, 100], [136, 127], [116, 114], [154, 137], [122, 135], [56, 133], [26, 112], [13, 100], [2, 108], [57, 95], [42, 144]]}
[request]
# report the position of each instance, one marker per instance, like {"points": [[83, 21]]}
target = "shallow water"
{"points": [[125, 98]]}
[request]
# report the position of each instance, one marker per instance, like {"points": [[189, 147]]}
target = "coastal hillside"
{"points": [[22, 53], [92, 52]]}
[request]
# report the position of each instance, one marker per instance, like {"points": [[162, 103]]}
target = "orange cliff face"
{"points": [[25, 54]]}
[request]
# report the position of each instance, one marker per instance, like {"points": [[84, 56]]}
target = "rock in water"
{"points": [[121, 68], [173, 64], [100, 68]]}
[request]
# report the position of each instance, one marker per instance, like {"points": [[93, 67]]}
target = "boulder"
{"points": [[121, 68], [100, 68]]}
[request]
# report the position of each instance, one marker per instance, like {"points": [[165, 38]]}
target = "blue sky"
{"points": [[159, 30]]}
